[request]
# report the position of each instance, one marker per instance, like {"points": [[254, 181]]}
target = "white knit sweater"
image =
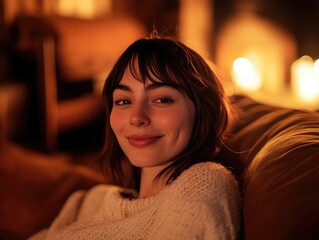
{"points": [[202, 203]]}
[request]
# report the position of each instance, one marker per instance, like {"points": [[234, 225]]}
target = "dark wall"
{"points": [[298, 17]]}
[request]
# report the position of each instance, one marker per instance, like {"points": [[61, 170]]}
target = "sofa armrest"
{"points": [[274, 153]]}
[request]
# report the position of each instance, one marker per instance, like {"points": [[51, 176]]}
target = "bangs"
{"points": [[155, 62]]}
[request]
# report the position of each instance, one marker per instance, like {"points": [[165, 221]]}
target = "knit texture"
{"points": [[202, 203]]}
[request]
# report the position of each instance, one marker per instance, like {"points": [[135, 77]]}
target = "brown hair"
{"points": [[179, 66]]}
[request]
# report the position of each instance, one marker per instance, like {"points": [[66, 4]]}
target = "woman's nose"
{"points": [[139, 116]]}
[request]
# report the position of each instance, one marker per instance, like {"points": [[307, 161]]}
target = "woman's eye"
{"points": [[164, 100], [122, 102]]}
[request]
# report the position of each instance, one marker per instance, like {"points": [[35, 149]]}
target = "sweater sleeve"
{"points": [[80, 205], [202, 204], [70, 210]]}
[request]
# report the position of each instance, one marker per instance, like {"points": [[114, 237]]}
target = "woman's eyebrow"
{"points": [[156, 85], [123, 87], [147, 87]]}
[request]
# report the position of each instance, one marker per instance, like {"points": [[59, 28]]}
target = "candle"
{"points": [[245, 75], [305, 79]]}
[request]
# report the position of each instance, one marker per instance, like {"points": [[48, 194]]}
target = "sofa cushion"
{"points": [[34, 187], [274, 152]]}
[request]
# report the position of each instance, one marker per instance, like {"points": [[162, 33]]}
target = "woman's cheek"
{"points": [[115, 121]]}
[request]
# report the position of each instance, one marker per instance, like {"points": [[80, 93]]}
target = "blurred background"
{"points": [[55, 56]]}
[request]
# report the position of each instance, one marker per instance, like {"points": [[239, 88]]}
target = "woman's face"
{"points": [[152, 123]]}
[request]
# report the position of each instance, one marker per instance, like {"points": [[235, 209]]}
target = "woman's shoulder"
{"points": [[207, 173], [80, 205], [94, 199], [205, 180]]}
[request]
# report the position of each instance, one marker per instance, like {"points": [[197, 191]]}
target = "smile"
{"points": [[142, 141]]}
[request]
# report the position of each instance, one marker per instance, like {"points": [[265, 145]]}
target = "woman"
{"points": [[167, 120]]}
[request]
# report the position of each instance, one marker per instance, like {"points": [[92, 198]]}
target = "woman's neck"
{"points": [[149, 185]]}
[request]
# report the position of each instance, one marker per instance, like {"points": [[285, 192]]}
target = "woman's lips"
{"points": [[142, 141]]}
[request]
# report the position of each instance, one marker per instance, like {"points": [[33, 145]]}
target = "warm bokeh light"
{"points": [[195, 24], [270, 48], [305, 79], [245, 75], [316, 67], [83, 8]]}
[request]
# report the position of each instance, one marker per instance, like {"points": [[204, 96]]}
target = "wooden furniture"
{"points": [[68, 52]]}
